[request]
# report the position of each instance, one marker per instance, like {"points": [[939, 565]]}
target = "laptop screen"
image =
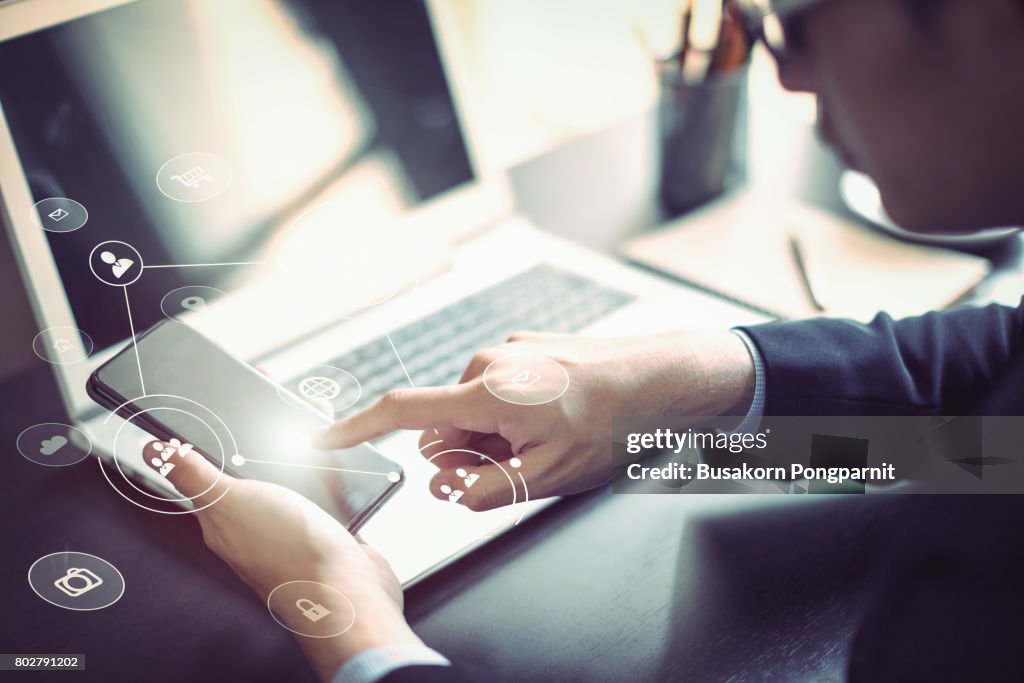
{"points": [[186, 133]]}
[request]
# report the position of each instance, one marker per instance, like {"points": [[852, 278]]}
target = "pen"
{"points": [[810, 277], [684, 39], [733, 50]]}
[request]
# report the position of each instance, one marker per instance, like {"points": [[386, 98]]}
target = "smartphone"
{"points": [[175, 383]]}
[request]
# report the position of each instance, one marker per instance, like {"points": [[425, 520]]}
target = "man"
{"points": [[927, 97]]}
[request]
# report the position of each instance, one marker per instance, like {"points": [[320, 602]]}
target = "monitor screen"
{"points": [[195, 132]]}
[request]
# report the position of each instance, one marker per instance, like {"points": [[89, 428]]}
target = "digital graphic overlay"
{"points": [[54, 444], [455, 494], [76, 581], [194, 177], [188, 299], [526, 378], [116, 263], [179, 404], [59, 214], [239, 460], [119, 264], [324, 385], [311, 609], [62, 345]]}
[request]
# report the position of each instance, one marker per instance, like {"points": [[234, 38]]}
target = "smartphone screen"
{"points": [[182, 385]]}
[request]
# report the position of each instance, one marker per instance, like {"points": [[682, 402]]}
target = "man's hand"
{"points": [[271, 535], [564, 445]]}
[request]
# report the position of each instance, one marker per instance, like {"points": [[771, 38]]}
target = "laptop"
{"points": [[299, 181]]}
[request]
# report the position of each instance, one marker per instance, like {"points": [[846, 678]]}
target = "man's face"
{"points": [[931, 109]]}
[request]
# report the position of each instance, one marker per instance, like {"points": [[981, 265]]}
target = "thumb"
{"points": [[189, 472]]}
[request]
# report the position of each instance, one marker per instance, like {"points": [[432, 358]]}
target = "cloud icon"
{"points": [[52, 445]]}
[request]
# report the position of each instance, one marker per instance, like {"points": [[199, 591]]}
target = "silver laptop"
{"points": [[298, 181]]}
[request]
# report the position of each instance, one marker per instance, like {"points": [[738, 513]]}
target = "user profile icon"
{"points": [[115, 263]]}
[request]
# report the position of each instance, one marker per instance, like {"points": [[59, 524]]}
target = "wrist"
{"points": [[713, 375], [373, 627]]}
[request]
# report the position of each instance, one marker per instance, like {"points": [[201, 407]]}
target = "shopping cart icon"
{"points": [[192, 177]]}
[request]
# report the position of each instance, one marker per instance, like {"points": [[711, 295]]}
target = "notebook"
{"points": [[739, 247]]}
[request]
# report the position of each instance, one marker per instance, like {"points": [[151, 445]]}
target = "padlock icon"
{"points": [[315, 611]]}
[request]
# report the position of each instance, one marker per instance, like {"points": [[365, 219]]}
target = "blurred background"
{"points": [[570, 99]]}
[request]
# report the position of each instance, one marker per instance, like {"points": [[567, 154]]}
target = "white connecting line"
{"points": [[135, 345], [406, 371], [204, 265], [128, 305]]}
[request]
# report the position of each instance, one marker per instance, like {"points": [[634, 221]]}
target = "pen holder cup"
{"points": [[703, 130]]}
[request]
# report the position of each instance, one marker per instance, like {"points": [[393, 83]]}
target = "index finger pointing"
{"points": [[459, 405]]}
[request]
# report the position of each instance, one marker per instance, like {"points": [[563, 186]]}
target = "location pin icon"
{"points": [[193, 303]]}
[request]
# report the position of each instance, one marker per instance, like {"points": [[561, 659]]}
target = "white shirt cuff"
{"points": [[753, 419], [376, 663]]}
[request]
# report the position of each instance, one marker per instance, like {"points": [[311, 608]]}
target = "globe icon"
{"points": [[318, 387]]}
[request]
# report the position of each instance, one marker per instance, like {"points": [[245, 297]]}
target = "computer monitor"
{"points": [[206, 133]]}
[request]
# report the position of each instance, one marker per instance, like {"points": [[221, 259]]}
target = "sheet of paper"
{"points": [[739, 247]]}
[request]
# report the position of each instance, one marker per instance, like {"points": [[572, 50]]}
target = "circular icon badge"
{"points": [[131, 452], [454, 488], [190, 299], [76, 581], [526, 378], [54, 444], [115, 263], [194, 177], [62, 345], [311, 609], [59, 214], [325, 384]]}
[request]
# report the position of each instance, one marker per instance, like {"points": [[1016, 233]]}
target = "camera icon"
{"points": [[77, 581]]}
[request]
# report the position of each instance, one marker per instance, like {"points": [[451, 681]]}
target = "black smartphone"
{"points": [[175, 383]]}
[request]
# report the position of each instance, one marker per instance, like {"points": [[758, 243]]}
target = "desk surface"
{"points": [[600, 587]]}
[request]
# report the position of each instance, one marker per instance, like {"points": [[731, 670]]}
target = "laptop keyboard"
{"points": [[436, 349]]}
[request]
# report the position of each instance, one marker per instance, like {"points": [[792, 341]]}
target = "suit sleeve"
{"points": [[434, 674], [939, 363]]}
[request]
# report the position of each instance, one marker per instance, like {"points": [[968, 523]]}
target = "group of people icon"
{"points": [[161, 463], [455, 494]]}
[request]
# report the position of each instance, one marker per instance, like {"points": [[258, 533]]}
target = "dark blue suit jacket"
{"points": [[961, 362], [946, 599], [435, 674]]}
